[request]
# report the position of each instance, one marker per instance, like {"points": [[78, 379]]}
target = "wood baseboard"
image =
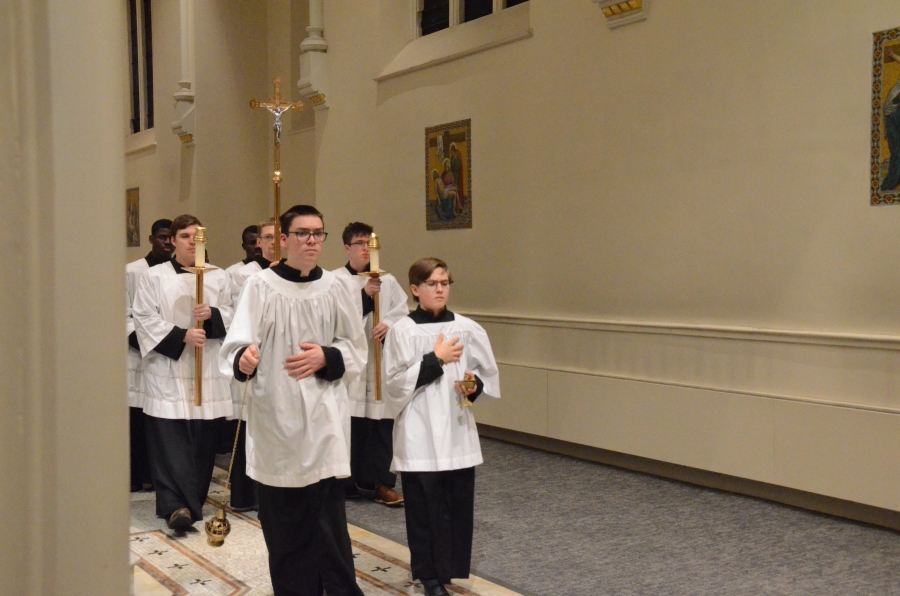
{"points": [[886, 518]]}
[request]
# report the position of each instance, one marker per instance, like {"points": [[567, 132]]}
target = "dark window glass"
{"points": [[435, 15], [148, 63], [135, 67], [475, 9], [514, 2]]}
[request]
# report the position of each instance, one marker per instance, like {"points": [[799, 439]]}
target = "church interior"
{"points": [[683, 273]]}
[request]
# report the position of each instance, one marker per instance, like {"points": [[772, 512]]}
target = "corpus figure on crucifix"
{"points": [[277, 107]]}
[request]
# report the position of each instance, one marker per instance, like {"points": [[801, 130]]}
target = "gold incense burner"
{"points": [[217, 528]]}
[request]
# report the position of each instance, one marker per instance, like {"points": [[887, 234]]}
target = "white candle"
{"points": [[200, 244], [373, 258]]}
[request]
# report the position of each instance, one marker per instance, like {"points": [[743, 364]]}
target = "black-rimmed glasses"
{"points": [[303, 235]]}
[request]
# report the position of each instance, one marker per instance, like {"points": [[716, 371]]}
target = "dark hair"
{"points": [[249, 230], [297, 211], [354, 229], [181, 222], [160, 224], [422, 269]]}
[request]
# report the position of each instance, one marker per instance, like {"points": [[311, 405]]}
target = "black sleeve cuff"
{"points": [[430, 370], [214, 325], [478, 390], [173, 344], [133, 342], [368, 303], [238, 375], [334, 365]]}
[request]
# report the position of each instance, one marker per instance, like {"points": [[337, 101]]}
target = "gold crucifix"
{"points": [[277, 107]]}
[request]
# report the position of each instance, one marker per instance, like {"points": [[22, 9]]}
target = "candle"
{"points": [[200, 244], [374, 246]]}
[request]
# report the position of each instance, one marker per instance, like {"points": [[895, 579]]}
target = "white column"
{"points": [[313, 83], [63, 414], [185, 124]]}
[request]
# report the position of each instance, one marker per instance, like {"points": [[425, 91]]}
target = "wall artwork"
{"points": [[885, 168], [448, 176], [133, 217]]}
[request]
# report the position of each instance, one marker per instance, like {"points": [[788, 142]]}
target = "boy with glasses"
{"points": [[371, 432], [181, 437], [436, 444], [297, 337]]}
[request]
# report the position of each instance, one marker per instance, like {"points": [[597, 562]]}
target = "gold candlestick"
{"points": [[374, 247], [277, 107], [201, 266]]}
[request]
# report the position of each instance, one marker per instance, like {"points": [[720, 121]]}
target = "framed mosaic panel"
{"points": [[885, 168], [133, 217], [448, 176]]}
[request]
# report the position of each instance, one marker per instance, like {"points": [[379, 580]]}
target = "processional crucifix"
{"points": [[277, 107]]}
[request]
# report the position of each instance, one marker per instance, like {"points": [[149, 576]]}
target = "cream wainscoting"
{"points": [[816, 412]]}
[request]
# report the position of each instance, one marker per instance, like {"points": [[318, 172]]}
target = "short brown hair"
{"points": [[181, 222], [422, 269], [264, 223]]}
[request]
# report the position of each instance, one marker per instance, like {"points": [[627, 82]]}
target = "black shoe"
{"points": [[136, 487], [180, 520], [351, 492], [434, 587]]}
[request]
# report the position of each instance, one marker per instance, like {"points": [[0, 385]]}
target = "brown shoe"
{"points": [[385, 495], [180, 520]]}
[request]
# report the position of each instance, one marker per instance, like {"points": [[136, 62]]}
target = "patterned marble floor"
{"points": [[186, 565]]}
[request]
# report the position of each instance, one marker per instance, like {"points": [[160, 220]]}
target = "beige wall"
{"points": [[224, 177], [672, 248]]}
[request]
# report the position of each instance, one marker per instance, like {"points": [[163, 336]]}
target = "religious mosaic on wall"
{"points": [[132, 217], [886, 118], [448, 176]]}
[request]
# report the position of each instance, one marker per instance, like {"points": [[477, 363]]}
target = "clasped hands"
{"points": [[197, 337], [451, 351], [299, 366]]}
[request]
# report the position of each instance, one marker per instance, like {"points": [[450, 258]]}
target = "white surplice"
{"points": [[392, 307], [432, 431], [298, 432], [163, 301], [133, 272], [239, 272]]}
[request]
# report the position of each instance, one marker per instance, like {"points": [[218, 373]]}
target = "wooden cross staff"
{"points": [[277, 107]]}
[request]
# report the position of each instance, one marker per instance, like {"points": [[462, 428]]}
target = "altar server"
{"points": [[243, 488], [181, 436], [297, 335], [371, 431], [160, 252], [436, 444], [249, 246]]}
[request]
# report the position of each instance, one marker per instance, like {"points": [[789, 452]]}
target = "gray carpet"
{"points": [[552, 525]]}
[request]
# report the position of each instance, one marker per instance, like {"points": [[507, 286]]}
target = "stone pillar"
{"points": [[313, 83], [63, 414], [185, 124]]}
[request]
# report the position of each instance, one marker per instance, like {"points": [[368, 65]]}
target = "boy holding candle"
{"points": [[427, 356], [181, 437], [371, 429]]}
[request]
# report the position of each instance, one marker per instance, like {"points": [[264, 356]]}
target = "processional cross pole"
{"points": [[277, 107]]}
